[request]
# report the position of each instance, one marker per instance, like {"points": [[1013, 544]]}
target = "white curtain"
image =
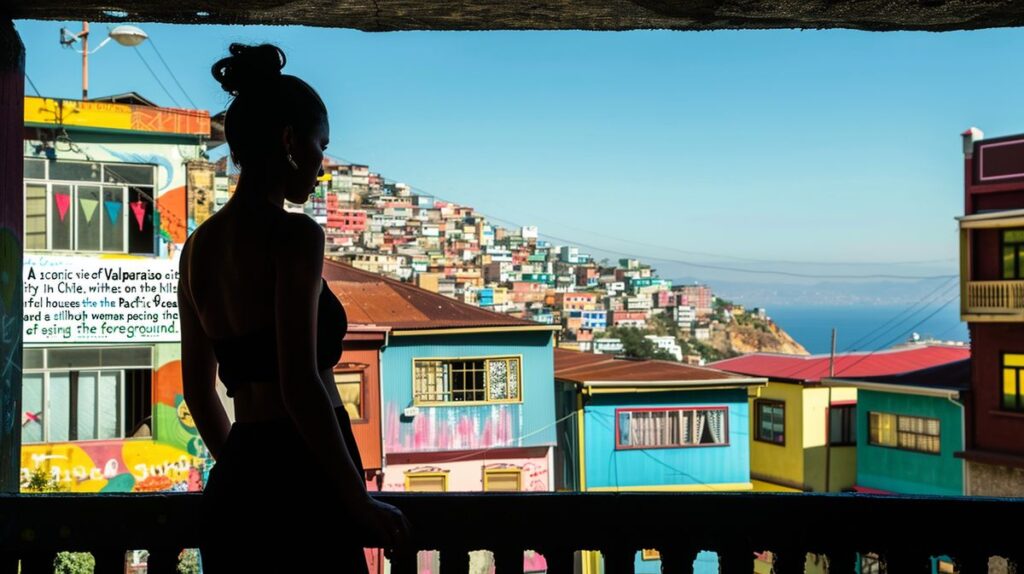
{"points": [[716, 427], [699, 430]]}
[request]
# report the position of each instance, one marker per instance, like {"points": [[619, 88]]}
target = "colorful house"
{"points": [[111, 192], [465, 394], [909, 428], [650, 426], [992, 304], [804, 434]]}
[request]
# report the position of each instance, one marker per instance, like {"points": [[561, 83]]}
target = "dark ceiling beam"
{"points": [[388, 15]]}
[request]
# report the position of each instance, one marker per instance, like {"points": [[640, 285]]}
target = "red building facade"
{"points": [[992, 303]]}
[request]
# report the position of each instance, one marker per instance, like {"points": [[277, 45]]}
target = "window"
{"points": [[467, 380], [650, 554], [771, 421], [842, 420], [668, 428], [904, 432], [89, 206], [503, 480], [1013, 381], [426, 482], [350, 387], [86, 394], [1013, 253]]}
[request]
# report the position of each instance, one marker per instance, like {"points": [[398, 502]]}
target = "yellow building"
{"points": [[803, 435]]}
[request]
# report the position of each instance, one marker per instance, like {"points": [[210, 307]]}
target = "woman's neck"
{"points": [[258, 189]]}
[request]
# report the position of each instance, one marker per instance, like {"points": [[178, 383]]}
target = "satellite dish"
{"points": [[128, 35]]}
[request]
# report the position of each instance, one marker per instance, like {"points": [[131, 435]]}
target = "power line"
{"points": [[813, 363], [916, 325], [31, 83], [751, 259], [866, 338], [694, 263], [421, 191], [155, 77], [171, 72]]}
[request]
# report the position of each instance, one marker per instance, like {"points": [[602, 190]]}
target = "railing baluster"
{"points": [[789, 561], [559, 560], [677, 561], [736, 559], [454, 561], [905, 562], [162, 561], [619, 560], [508, 561], [842, 562], [404, 562], [109, 561]]}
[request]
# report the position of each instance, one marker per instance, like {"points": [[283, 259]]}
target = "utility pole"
{"points": [[828, 411]]}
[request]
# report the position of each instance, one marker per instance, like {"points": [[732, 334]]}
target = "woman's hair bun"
{"points": [[249, 67]]}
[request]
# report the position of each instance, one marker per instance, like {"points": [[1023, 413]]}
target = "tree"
{"points": [[636, 346]]}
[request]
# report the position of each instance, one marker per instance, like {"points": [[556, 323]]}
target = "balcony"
{"points": [[992, 289], [994, 300], [905, 531]]}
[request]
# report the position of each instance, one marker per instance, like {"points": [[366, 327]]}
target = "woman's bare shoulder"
{"points": [[299, 230]]}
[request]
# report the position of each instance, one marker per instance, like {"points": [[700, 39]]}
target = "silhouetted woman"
{"points": [[287, 491]]}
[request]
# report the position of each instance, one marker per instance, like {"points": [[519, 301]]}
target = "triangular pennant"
{"points": [[63, 202], [89, 207], [139, 209], [114, 211]]}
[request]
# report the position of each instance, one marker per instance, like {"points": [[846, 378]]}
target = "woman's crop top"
{"points": [[252, 358]]}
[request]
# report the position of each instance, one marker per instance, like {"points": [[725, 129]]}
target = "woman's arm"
{"points": [[199, 369]]}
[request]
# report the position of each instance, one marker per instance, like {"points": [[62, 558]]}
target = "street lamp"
{"points": [[125, 35]]}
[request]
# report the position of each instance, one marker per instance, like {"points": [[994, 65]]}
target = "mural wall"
{"points": [[173, 459]]}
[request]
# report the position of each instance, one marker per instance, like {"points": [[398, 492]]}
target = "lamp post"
{"points": [[125, 35]]}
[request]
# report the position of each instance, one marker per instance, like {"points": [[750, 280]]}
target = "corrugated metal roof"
{"points": [[372, 299], [811, 369], [577, 367], [955, 375]]}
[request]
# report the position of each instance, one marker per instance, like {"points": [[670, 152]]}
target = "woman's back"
{"points": [[237, 244], [228, 267]]}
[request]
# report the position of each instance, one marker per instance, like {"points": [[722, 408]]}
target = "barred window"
{"points": [[667, 428], [490, 379]]}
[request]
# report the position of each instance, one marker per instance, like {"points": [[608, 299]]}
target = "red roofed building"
{"points": [[630, 425], [803, 434], [453, 397]]}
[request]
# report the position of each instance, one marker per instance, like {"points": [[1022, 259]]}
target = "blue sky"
{"points": [[770, 145]]}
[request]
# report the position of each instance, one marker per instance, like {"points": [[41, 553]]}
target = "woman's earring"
{"points": [[292, 162]]}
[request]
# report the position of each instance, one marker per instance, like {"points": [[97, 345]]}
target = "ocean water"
{"points": [[868, 327]]}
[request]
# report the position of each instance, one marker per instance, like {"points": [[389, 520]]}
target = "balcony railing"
{"points": [[905, 531], [995, 298]]}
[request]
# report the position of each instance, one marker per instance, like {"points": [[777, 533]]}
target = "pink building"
{"points": [[664, 299], [575, 301], [697, 296], [627, 318], [351, 220]]}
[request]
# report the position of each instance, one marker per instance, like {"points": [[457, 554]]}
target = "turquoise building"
{"points": [[650, 426], [909, 428]]}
